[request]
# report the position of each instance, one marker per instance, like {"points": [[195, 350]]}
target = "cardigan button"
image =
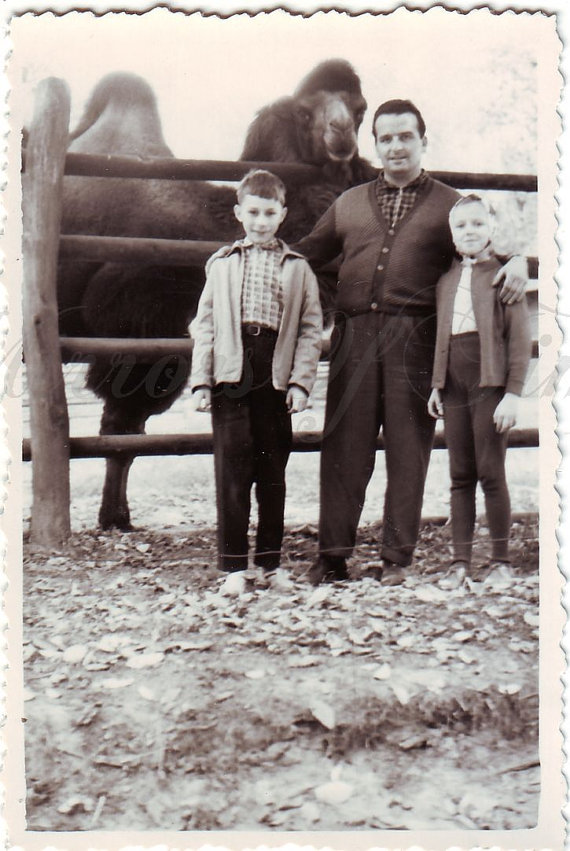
{"points": [[385, 250], [374, 305], [391, 232], [380, 268]]}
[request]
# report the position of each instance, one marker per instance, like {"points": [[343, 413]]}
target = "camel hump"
{"points": [[121, 117]]}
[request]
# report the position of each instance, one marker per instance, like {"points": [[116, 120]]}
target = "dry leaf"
{"points": [[401, 692], [76, 805], [147, 693], [233, 585], [382, 672], [310, 812], [144, 660], [531, 619], [303, 661], [75, 653], [510, 688], [324, 713], [431, 594], [413, 742], [319, 595], [116, 682], [462, 636], [335, 792], [112, 642], [255, 674]]}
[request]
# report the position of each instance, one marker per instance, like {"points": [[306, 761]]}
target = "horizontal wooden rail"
{"points": [[475, 180], [130, 249], [142, 350], [166, 168], [172, 168], [103, 446], [174, 252]]}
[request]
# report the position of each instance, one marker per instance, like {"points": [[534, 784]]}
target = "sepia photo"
{"points": [[281, 365]]}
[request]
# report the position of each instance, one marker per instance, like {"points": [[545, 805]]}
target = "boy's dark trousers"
{"points": [[252, 442], [476, 451]]}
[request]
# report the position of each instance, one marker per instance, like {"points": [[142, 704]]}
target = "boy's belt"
{"points": [[254, 330]]}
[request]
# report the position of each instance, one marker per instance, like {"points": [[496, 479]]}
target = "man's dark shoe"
{"points": [[328, 569]]}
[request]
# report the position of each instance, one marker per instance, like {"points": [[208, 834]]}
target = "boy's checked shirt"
{"points": [[262, 293]]}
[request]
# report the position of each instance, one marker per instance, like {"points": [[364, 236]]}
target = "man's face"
{"points": [[470, 228], [260, 217], [399, 147]]}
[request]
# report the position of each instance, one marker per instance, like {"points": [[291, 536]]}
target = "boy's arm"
{"points": [[506, 412], [309, 334], [435, 404], [519, 345], [297, 398], [202, 333]]}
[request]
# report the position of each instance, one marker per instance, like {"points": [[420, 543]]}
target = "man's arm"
{"points": [[323, 244]]}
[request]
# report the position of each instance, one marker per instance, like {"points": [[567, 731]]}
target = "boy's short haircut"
{"points": [[472, 198], [399, 107], [262, 183]]}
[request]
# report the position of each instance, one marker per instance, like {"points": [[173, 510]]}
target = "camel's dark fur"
{"points": [[109, 299]]}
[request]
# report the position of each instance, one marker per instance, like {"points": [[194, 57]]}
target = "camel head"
{"points": [[317, 125], [327, 126], [329, 108]]}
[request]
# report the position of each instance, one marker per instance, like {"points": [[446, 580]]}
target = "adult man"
{"points": [[394, 239]]}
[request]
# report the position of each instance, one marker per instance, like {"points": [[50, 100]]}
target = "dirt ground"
{"points": [[158, 697]]}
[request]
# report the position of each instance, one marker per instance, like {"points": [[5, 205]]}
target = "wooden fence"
{"points": [[46, 162]]}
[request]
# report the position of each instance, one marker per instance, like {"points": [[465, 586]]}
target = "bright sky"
{"points": [[473, 76]]}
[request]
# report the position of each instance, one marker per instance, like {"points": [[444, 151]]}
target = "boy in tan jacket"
{"points": [[257, 341]]}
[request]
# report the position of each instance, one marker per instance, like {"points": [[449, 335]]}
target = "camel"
{"points": [[317, 125]]}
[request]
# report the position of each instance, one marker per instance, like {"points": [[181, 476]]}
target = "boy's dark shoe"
{"points": [[328, 569]]}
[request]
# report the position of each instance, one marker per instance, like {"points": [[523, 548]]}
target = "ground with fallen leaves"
{"points": [[160, 697]]}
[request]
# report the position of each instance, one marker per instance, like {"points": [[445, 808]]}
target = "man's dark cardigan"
{"points": [[394, 270]]}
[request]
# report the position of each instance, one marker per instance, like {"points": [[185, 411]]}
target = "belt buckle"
{"points": [[254, 330]]}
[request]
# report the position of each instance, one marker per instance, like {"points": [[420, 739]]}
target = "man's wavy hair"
{"points": [[399, 107]]}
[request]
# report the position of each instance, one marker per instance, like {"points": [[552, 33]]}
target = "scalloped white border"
{"points": [[552, 623]]}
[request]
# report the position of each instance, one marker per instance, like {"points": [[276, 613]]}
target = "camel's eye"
{"points": [[304, 116]]}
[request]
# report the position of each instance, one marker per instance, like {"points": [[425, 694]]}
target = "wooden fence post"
{"points": [[49, 420]]}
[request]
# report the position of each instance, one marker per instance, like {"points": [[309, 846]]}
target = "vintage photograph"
{"points": [[279, 387]]}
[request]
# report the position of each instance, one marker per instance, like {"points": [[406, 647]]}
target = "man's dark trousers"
{"points": [[380, 377], [252, 442]]}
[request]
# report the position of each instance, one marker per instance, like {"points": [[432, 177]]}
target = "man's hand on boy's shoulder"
{"points": [[514, 279], [296, 399]]}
